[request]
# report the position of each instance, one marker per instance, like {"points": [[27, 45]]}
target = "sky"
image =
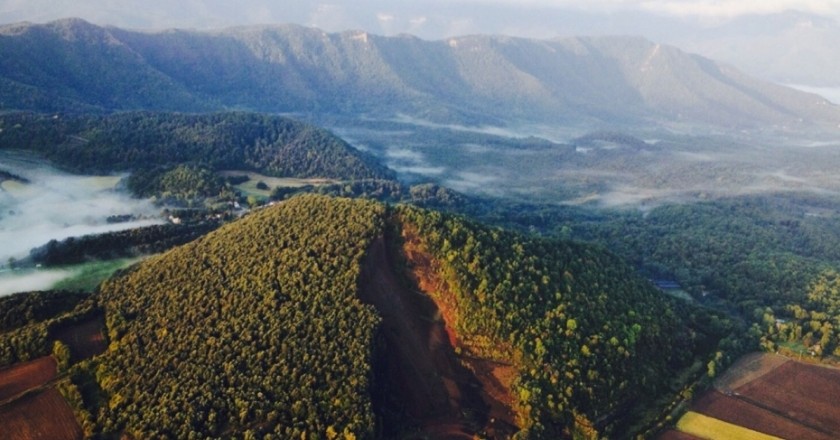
{"points": [[426, 18]]}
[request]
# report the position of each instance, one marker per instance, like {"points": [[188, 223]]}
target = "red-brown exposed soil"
{"points": [[26, 375], [423, 388], [496, 377], [777, 396], [803, 392], [85, 338], [747, 369], [742, 412], [43, 415]]}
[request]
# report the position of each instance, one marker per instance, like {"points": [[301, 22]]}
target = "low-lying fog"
{"points": [[563, 166], [56, 205]]}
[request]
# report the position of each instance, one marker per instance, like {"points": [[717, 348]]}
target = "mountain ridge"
{"points": [[74, 65], [293, 302]]}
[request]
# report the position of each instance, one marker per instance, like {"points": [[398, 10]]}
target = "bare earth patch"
{"points": [[85, 338], [425, 390], [748, 368], [803, 392], [43, 415], [26, 375], [775, 395], [742, 412]]}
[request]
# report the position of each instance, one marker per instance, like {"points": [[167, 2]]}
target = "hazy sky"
{"points": [[427, 18]]}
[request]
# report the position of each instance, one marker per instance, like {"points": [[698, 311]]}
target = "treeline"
{"points": [[119, 244], [253, 330], [27, 320], [426, 195], [131, 141], [5, 175], [26, 308], [593, 340], [808, 327]]}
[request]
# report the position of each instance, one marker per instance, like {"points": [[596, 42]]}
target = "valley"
{"points": [[633, 168], [280, 232]]}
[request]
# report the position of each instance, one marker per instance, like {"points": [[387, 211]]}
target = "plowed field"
{"points": [[43, 415], [26, 375], [778, 396]]}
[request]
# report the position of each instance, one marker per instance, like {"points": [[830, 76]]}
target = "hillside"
{"points": [[133, 141], [74, 65], [305, 318]]}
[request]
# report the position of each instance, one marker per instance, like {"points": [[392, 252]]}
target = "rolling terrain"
{"points": [[330, 317], [302, 317], [473, 79]]}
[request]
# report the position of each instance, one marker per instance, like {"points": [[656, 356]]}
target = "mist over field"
{"points": [[30, 280], [54, 205]]}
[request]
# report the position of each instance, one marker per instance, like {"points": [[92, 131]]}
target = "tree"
{"points": [[253, 201]]}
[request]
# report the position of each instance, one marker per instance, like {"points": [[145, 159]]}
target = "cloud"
{"points": [[682, 8], [451, 17], [734, 8]]}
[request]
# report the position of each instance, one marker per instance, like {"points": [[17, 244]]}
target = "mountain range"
{"points": [[72, 65]]}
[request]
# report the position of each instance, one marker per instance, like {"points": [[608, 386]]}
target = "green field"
{"points": [[101, 182], [250, 187], [88, 276]]}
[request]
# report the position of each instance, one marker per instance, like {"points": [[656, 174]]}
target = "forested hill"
{"points": [[130, 141], [258, 328], [72, 65]]}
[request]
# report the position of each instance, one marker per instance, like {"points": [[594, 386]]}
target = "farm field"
{"points": [[28, 409], [741, 412], [708, 427], [26, 375], [85, 339], [43, 415], [88, 276], [772, 395], [250, 187]]}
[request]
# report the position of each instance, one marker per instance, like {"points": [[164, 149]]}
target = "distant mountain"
{"points": [[73, 65]]}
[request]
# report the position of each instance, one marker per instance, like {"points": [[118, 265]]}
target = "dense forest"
{"points": [[768, 260], [257, 329], [591, 338], [254, 329], [118, 244], [131, 141]]}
